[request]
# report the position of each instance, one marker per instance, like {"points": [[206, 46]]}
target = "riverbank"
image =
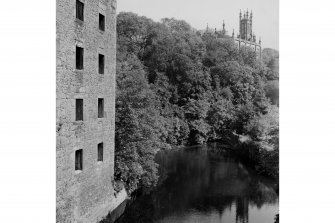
{"points": [[264, 158]]}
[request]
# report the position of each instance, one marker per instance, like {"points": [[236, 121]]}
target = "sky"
{"points": [[198, 13]]}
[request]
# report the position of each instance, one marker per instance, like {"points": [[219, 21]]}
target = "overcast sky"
{"points": [[199, 13]]}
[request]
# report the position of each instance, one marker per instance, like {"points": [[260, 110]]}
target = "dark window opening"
{"points": [[101, 64], [79, 160], [100, 152], [80, 10], [79, 58], [101, 22], [100, 108], [79, 110]]}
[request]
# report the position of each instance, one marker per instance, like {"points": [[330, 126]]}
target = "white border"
{"points": [[27, 113], [307, 109]]}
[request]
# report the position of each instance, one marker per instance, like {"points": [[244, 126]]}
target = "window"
{"points": [[79, 160], [79, 110], [79, 58], [101, 22], [100, 108], [80, 10], [101, 64], [100, 152]]}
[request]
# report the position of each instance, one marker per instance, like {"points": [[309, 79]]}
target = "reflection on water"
{"points": [[199, 185]]}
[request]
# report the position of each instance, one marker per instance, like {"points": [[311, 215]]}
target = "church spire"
{"points": [[224, 28], [251, 22]]}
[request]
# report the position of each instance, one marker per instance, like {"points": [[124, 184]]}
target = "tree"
{"points": [[135, 33], [220, 118], [137, 130], [219, 51], [270, 58], [272, 91], [196, 114]]}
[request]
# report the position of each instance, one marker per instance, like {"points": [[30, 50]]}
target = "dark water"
{"points": [[201, 185]]}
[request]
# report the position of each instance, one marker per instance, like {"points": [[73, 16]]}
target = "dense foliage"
{"points": [[176, 86]]}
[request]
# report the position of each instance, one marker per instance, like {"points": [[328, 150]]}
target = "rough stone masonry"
{"points": [[86, 51]]}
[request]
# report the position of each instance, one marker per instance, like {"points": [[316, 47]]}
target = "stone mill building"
{"points": [[85, 73]]}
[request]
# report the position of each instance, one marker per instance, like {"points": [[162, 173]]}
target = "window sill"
{"points": [[79, 22], [101, 77], [100, 162], [81, 71], [78, 124], [102, 31], [76, 172]]}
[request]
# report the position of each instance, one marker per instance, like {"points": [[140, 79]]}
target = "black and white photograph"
{"points": [[179, 111], [167, 114]]}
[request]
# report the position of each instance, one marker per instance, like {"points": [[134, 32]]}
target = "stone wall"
{"points": [[80, 194]]}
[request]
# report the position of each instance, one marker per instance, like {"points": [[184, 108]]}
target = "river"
{"points": [[201, 185]]}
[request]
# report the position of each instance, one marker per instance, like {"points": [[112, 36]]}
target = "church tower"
{"points": [[246, 26], [246, 36]]}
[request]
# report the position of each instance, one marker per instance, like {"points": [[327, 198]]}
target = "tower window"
{"points": [[100, 108], [79, 58], [79, 110], [80, 10], [79, 160], [101, 64], [101, 22], [100, 152]]}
